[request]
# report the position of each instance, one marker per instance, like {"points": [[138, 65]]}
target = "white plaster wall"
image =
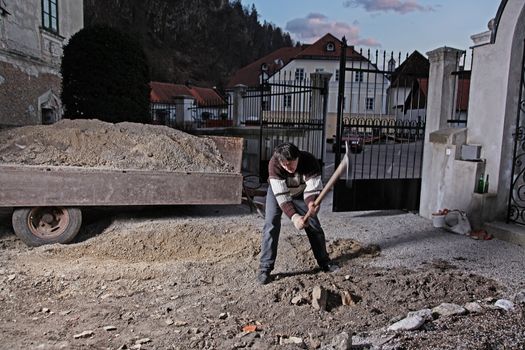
{"points": [[373, 85], [493, 102], [22, 33]]}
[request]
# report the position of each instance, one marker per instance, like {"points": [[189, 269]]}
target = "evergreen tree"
{"points": [[204, 41], [105, 75]]}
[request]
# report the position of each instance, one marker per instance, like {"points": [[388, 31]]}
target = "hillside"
{"points": [[204, 41]]}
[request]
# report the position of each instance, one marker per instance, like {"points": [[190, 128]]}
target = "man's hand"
{"points": [[298, 221], [313, 209]]}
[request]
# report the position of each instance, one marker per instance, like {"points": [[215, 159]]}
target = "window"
{"points": [[317, 70], [337, 75], [287, 101], [50, 15], [369, 103], [299, 74], [358, 77], [330, 47]]}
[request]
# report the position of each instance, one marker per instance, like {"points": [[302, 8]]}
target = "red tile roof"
{"points": [[250, 74], [165, 92], [318, 50]]}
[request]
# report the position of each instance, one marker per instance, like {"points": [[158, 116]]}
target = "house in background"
{"points": [[365, 85], [406, 94], [187, 106], [32, 35]]}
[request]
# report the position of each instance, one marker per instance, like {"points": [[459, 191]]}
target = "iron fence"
{"points": [[210, 114]]}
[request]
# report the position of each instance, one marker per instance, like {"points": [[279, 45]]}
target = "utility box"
{"points": [[470, 152]]}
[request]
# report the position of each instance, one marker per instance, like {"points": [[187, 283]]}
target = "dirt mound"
{"points": [[190, 281], [171, 241], [93, 143]]}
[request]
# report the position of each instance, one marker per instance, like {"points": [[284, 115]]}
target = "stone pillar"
{"points": [[441, 87], [237, 103], [440, 102]]}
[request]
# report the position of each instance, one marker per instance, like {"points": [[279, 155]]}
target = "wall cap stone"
{"points": [[451, 136]]}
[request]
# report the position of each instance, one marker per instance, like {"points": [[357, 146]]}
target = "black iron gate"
{"points": [[516, 206], [286, 109], [381, 114]]}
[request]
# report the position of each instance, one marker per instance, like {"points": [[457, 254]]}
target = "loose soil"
{"points": [[93, 143], [184, 278]]}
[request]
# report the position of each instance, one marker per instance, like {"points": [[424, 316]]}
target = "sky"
{"points": [[390, 25]]}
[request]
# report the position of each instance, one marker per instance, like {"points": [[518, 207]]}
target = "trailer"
{"points": [[47, 201]]}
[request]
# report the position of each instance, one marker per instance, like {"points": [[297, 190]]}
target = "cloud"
{"points": [[399, 6], [315, 25]]}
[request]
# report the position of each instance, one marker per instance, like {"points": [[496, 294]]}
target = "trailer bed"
{"points": [[32, 186]]}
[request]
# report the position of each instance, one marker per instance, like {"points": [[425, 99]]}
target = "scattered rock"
{"points": [[223, 315], [342, 341], [425, 314], [346, 298], [292, 340], [319, 298], [407, 324], [473, 307], [169, 321], [180, 323], [110, 328], [519, 298], [85, 334], [449, 309], [298, 300], [504, 304], [142, 341]]}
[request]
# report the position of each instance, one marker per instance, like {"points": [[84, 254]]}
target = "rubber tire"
{"points": [[20, 217]]}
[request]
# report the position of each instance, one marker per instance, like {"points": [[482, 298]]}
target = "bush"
{"points": [[105, 75]]}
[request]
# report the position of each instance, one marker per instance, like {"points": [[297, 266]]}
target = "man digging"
{"points": [[295, 182]]}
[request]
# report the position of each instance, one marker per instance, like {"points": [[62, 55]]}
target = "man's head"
{"points": [[288, 156]]}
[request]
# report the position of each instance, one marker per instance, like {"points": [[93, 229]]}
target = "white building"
{"points": [[365, 85]]}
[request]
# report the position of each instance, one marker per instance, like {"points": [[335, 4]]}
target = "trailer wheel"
{"points": [[46, 225]]}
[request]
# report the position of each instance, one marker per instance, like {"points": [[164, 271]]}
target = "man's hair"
{"points": [[286, 151]]}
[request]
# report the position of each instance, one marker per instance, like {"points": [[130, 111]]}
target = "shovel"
{"points": [[344, 165]]}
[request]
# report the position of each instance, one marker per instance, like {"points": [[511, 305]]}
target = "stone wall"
{"points": [[30, 59], [19, 93]]}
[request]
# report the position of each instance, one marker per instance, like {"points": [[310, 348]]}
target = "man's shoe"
{"points": [[263, 277], [330, 267]]}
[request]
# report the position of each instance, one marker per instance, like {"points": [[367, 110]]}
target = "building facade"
{"points": [[366, 86], [32, 35]]}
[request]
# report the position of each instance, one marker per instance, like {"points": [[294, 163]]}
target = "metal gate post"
{"points": [[340, 98]]}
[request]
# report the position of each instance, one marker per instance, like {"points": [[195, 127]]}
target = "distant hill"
{"points": [[203, 41]]}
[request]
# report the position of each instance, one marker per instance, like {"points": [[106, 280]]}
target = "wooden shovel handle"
{"points": [[331, 182]]}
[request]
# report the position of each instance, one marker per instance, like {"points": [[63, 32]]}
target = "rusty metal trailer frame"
{"points": [[58, 188]]}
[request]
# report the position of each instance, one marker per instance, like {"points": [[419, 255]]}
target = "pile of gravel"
{"points": [[97, 144]]}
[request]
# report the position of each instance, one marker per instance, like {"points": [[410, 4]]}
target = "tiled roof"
{"points": [[318, 50], [165, 92], [249, 75]]}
